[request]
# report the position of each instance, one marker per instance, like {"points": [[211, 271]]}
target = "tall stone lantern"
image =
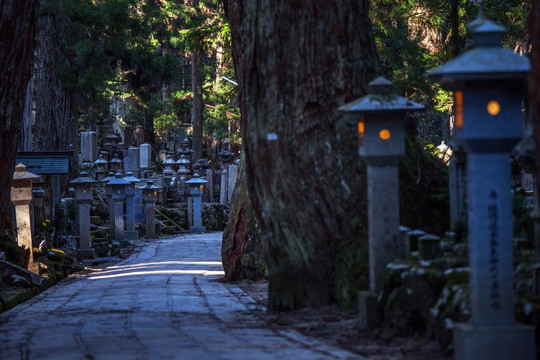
{"points": [[182, 174], [149, 195], [21, 196], [100, 166], [131, 189], [83, 196], [168, 171], [488, 85], [118, 193], [380, 118], [196, 187]]}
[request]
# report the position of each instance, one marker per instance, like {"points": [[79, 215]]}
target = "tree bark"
{"points": [[302, 61], [17, 32], [241, 250], [534, 80], [196, 113], [55, 126]]}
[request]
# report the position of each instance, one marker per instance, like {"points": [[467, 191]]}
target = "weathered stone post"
{"points": [[488, 89], [21, 196], [145, 156], [89, 150], [110, 202], [133, 164], [118, 191], [382, 144], [83, 196], [130, 233], [149, 193], [196, 185], [226, 157]]}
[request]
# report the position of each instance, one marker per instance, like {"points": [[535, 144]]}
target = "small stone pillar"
{"points": [[149, 195], [145, 160], [233, 176], [21, 196], [196, 185], [89, 151], [380, 123], [110, 202], [224, 184], [133, 161], [139, 135], [131, 189], [488, 83], [83, 196], [118, 191]]}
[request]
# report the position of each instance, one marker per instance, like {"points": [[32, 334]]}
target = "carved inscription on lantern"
{"points": [[494, 291]]}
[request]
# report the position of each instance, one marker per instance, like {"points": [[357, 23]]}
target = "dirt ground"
{"points": [[340, 329]]}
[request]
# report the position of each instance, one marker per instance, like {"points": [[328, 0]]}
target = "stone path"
{"points": [[164, 302]]}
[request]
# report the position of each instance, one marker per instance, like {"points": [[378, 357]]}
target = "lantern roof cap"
{"points": [[83, 179], [486, 61], [380, 99], [110, 176], [116, 159], [132, 179], [21, 173], [118, 180], [149, 186], [101, 160], [183, 160], [169, 161], [196, 180]]}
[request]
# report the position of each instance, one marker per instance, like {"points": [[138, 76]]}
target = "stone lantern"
{"points": [[196, 186], [116, 164], [149, 195], [21, 196], [131, 189], [83, 196], [168, 171], [100, 166], [380, 122], [117, 187], [182, 174], [488, 85]]}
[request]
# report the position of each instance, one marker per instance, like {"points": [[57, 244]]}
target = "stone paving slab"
{"points": [[164, 302]]}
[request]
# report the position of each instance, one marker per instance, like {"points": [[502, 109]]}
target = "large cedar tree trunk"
{"points": [[196, 113], [55, 126], [241, 250], [534, 80], [302, 61], [17, 30]]}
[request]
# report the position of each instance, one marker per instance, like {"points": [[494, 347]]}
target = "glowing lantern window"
{"points": [[384, 134], [361, 129], [493, 108], [458, 101]]}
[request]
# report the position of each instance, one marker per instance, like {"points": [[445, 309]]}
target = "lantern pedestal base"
{"points": [[85, 254], [197, 229], [493, 342], [131, 235], [368, 310]]}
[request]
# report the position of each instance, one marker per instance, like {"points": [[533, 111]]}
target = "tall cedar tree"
{"points": [[17, 31], [301, 62], [534, 79]]}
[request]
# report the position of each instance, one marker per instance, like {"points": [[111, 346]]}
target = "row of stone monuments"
{"points": [[488, 88]]}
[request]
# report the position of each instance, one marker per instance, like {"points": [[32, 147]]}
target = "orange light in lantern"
{"points": [[493, 108], [458, 101], [384, 134], [361, 129]]}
